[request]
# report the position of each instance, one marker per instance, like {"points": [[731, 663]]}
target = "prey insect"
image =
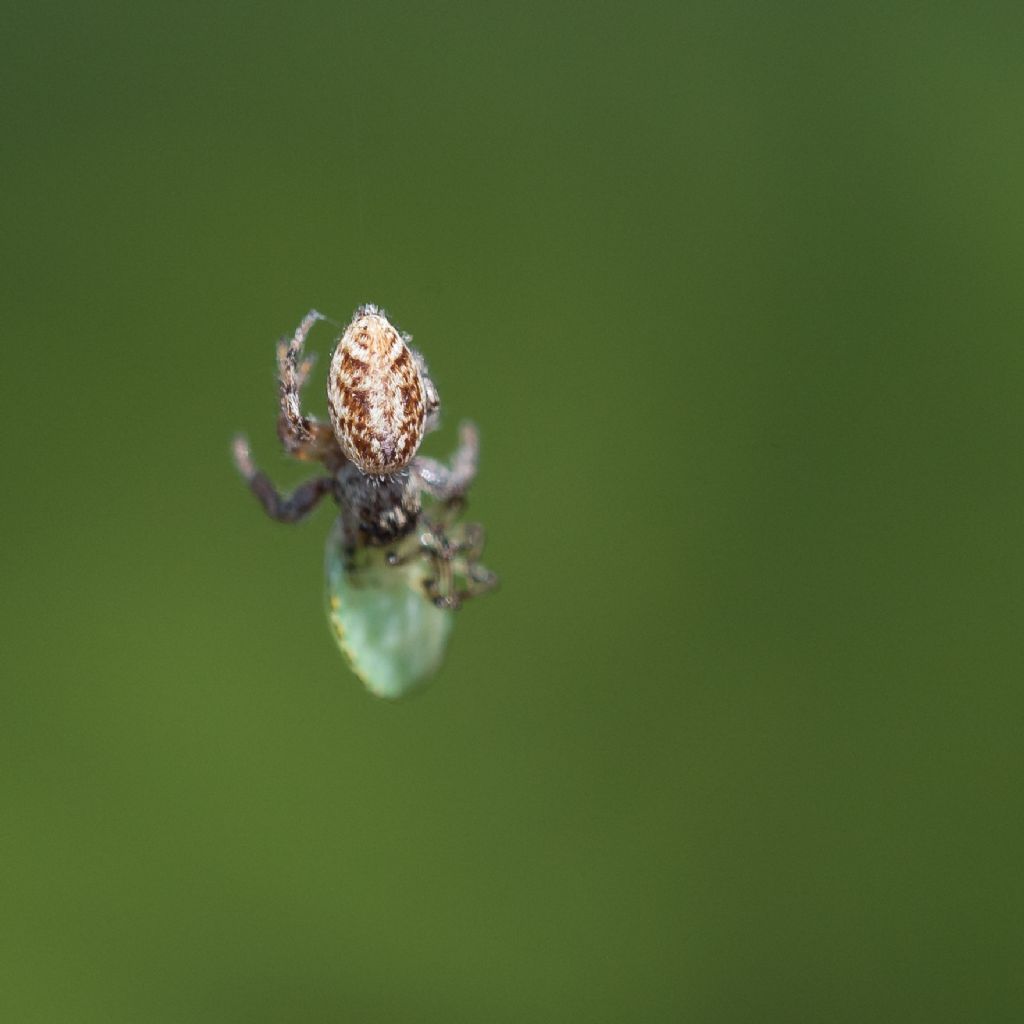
{"points": [[399, 560]]}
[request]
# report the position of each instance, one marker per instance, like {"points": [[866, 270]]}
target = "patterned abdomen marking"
{"points": [[375, 395]]}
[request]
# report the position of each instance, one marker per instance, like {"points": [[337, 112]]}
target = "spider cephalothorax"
{"points": [[382, 402]]}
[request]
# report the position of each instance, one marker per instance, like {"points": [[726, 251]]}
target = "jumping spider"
{"points": [[381, 402]]}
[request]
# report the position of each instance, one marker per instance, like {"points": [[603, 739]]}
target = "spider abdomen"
{"points": [[376, 396]]}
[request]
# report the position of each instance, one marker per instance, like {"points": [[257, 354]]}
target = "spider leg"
{"points": [[457, 574], [467, 545], [433, 418], [451, 483], [476, 580], [284, 508], [302, 436]]}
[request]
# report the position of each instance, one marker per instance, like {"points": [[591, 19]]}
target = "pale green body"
{"points": [[393, 635]]}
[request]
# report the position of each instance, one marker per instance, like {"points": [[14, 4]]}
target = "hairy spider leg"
{"points": [[303, 437], [284, 508], [449, 483]]}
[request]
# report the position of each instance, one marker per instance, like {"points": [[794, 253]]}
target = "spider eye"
{"points": [[376, 397]]}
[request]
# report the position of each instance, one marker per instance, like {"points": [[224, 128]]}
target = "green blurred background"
{"points": [[734, 293]]}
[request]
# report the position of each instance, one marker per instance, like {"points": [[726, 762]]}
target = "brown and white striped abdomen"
{"points": [[375, 395]]}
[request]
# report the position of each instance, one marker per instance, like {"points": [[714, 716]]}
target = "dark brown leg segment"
{"points": [[284, 508]]}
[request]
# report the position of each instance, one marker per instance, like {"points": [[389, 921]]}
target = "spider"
{"points": [[381, 402]]}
